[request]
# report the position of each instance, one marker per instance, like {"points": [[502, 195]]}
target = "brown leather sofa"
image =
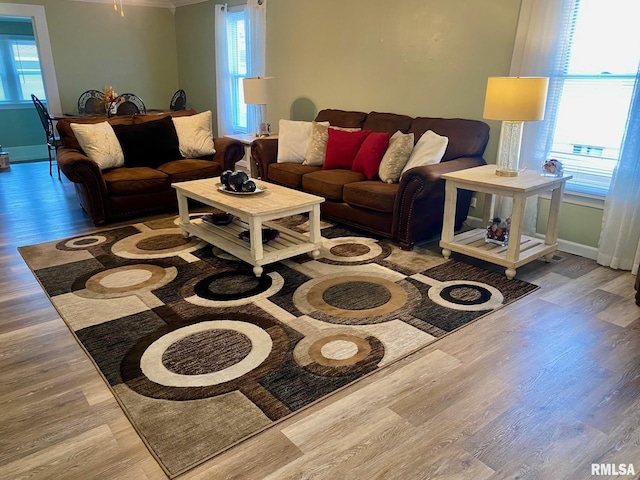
{"points": [[116, 193], [407, 212]]}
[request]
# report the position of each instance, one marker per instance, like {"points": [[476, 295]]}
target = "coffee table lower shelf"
{"points": [[472, 243], [226, 237]]}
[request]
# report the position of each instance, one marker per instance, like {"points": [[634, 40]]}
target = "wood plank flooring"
{"points": [[539, 390]]}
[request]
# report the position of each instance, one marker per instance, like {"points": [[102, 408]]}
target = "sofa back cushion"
{"points": [[149, 144], [467, 138], [341, 118], [387, 122], [68, 138], [150, 116]]}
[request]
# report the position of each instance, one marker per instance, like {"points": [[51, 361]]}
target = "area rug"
{"points": [[201, 354]]}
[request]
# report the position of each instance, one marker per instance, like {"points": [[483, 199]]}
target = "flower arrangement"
{"points": [[109, 94]]}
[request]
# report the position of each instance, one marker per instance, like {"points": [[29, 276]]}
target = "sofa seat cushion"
{"points": [[372, 195], [190, 169], [135, 180], [290, 174], [330, 183]]}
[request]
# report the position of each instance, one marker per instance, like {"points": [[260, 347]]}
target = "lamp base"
{"points": [[507, 164]]}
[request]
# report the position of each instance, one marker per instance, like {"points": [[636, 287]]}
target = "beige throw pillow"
{"points": [[100, 144], [293, 140], [195, 134], [317, 150], [429, 149], [396, 157]]}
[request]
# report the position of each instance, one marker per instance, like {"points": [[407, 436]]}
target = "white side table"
{"points": [[247, 139], [521, 249]]}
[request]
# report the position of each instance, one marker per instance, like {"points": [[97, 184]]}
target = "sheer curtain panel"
{"points": [[256, 14], [619, 241], [223, 75]]}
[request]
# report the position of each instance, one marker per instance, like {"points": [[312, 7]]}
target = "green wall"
{"points": [[92, 47], [416, 57]]}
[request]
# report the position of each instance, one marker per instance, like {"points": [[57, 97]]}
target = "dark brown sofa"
{"points": [[407, 212], [116, 193]]}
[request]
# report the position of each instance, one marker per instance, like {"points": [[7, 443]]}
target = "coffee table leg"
{"points": [[255, 237], [314, 230], [183, 210]]}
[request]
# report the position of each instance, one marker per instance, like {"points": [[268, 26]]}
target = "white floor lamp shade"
{"points": [[513, 100]]}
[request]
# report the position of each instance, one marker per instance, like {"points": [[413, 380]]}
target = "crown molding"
{"points": [[139, 3]]}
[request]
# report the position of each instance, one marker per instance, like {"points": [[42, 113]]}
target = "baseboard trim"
{"points": [[27, 153], [574, 248]]}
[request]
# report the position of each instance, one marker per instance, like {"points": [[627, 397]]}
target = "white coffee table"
{"points": [[252, 212]]}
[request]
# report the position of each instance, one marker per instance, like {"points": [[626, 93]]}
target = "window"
{"points": [[598, 78], [20, 73], [237, 46]]}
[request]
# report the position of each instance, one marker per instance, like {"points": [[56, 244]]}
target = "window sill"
{"points": [[581, 199], [16, 106]]}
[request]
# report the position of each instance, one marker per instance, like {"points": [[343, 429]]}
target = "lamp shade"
{"points": [[516, 99], [256, 90]]}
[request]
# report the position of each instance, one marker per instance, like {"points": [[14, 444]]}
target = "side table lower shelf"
{"points": [[473, 243]]}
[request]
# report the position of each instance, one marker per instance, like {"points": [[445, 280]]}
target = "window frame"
{"points": [[9, 75], [589, 180]]}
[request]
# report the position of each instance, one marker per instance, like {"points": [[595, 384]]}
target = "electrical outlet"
{"points": [[474, 202]]}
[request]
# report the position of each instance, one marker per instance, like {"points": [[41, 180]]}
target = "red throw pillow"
{"points": [[342, 147], [370, 155]]}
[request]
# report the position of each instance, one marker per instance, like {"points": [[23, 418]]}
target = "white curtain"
{"points": [[619, 240], [540, 48], [223, 78], [256, 28]]}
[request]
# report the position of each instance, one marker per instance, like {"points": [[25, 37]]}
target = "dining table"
{"points": [[77, 116]]}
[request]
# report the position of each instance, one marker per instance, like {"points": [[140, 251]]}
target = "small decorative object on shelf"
{"points": [[552, 168], [4, 159], [498, 231]]}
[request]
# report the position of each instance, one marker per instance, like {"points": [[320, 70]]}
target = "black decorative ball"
{"points": [[224, 178], [236, 179], [248, 186]]}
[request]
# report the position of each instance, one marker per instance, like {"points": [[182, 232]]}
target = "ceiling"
{"points": [[171, 4]]}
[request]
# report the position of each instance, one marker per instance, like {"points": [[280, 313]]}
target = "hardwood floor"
{"points": [[539, 390]]}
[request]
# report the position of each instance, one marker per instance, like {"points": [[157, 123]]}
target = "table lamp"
{"points": [[514, 100], [256, 92]]}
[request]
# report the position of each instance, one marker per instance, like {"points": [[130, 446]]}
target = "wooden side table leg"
{"points": [[515, 233], [449, 215]]}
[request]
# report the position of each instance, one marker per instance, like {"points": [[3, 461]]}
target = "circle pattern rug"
{"points": [[201, 354]]}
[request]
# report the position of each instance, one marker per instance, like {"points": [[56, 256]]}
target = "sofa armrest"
{"points": [[228, 152], [264, 151], [420, 200], [79, 168], [91, 188]]}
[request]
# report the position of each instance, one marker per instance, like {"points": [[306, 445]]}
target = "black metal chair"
{"points": [[127, 104], [53, 142], [91, 102], [178, 101]]}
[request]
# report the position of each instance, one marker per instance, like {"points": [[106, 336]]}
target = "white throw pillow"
{"points": [[100, 144], [195, 134], [293, 140], [429, 149], [396, 157]]}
